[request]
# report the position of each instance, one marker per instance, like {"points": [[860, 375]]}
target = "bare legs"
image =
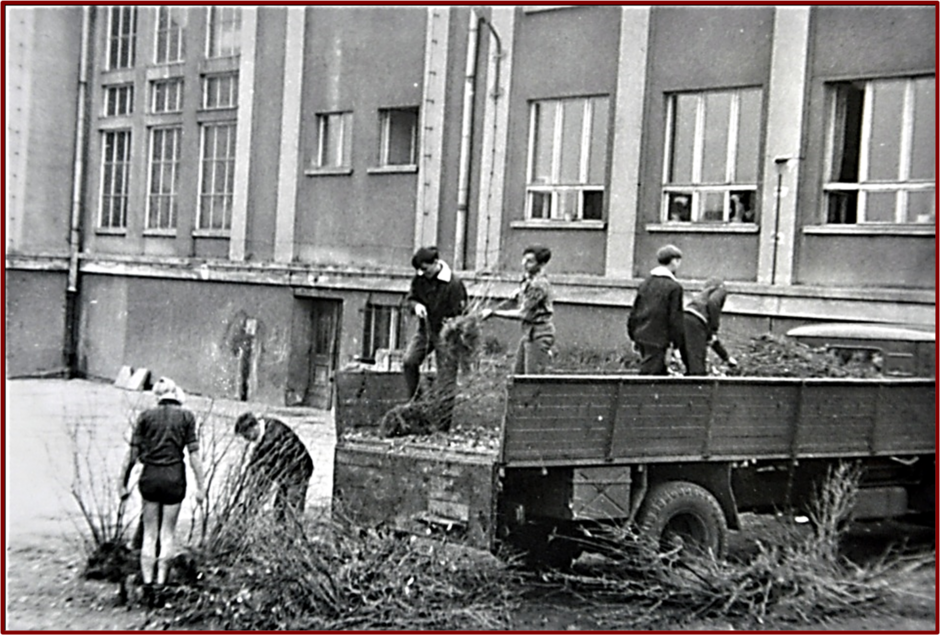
{"points": [[159, 525]]}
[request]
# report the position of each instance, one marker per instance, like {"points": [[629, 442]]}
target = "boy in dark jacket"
{"points": [[280, 459], [656, 320], [436, 294]]}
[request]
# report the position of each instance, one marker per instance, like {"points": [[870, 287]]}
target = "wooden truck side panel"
{"points": [[570, 420], [419, 490]]}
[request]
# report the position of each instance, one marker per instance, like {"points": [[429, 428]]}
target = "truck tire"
{"points": [[679, 510]]}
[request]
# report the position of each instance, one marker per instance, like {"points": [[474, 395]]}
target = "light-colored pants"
{"points": [[534, 355]]}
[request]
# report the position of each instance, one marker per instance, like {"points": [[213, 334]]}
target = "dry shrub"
{"points": [[802, 579], [94, 488], [340, 577]]}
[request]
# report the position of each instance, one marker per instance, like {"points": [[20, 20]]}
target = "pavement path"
{"points": [[54, 426]]}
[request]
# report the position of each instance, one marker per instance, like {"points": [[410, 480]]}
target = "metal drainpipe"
{"points": [[466, 132], [78, 170]]}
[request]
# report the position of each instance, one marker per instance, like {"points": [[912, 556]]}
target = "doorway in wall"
{"points": [[315, 340]]}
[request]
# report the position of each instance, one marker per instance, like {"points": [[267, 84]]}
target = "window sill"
{"points": [[703, 228], [211, 233], [328, 171], [558, 224], [165, 70], [160, 233], [111, 231], [870, 230], [393, 169]]}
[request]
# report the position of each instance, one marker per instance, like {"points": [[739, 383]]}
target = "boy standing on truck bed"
{"points": [[436, 294], [656, 320], [534, 310]]}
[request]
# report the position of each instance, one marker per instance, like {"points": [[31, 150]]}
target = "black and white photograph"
{"points": [[455, 317]]}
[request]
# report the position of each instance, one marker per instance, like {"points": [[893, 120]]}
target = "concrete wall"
{"points": [[569, 52], [34, 322], [41, 109], [898, 41], [267, 104], [359, 217], [187, 330], [698, 48]]}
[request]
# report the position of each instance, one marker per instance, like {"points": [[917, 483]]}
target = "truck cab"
{"points": [[896, 350]]}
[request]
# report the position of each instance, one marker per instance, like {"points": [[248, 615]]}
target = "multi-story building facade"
{"points": [[231, 195]]}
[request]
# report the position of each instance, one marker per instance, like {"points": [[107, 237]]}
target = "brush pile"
{"points": [[340, 577], [795, 578], [771, 355]]}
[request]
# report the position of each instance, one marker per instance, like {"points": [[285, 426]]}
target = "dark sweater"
{"points": [[657, 317], [443, 299], [280, 454]]}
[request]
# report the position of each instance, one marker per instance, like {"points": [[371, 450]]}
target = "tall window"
{"points": [[383, 329], [567, 159], [220, 91], [171, 34], [115, 160], [881, 150], [712, 156], [399, 136], [334, 144], [217, 176], [225, 28], [118, 100], [166, 95], [164, 177], [122, 36]]}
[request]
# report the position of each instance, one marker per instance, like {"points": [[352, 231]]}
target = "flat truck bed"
{"points": [[575, 448]]}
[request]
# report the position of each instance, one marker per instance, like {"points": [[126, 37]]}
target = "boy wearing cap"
{"points": [[436, 294], [656, 320]]}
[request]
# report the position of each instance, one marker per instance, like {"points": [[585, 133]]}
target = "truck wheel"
{"points": [[679, 513]]}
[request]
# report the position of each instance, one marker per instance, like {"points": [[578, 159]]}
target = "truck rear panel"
{"points": [[419, 489]]}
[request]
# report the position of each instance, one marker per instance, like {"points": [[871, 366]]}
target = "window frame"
{"points": [[166, 33], [863, 187], [208, 80], [697, 191], [555, 189], [126, 42], [175, 81], [205, 217], [107, 220], [386, 137], [214, 22], [173, 163], [344, 146], [395, 335], [113, 89]]}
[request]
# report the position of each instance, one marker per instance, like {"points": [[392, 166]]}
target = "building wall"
{"points": [[693, 49], [361, 217], [569, 52], [268, 99], [902, 257], [34, 322], [41, 108]]}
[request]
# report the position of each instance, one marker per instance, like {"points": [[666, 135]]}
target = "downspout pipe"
{"points": [[70, 353], [466, 133]]}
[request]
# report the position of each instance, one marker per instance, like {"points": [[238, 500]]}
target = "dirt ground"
{"points": [[43, 554]]}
